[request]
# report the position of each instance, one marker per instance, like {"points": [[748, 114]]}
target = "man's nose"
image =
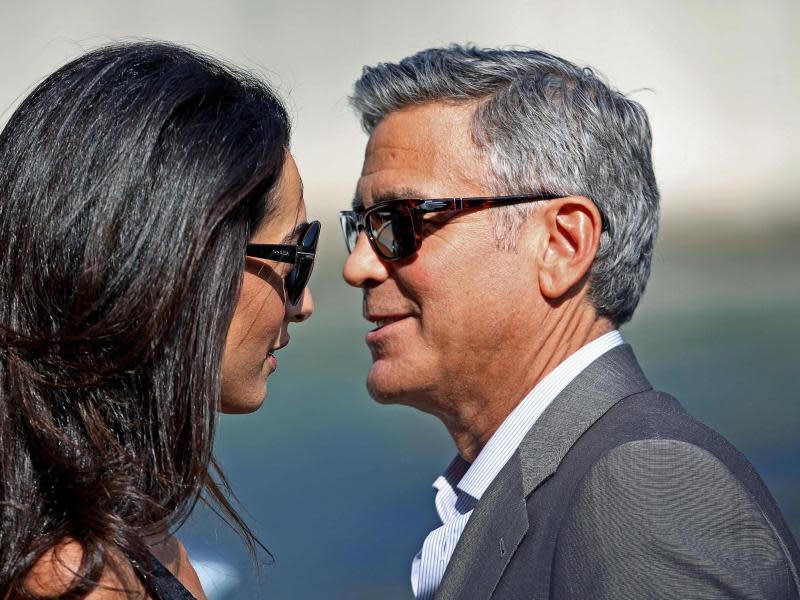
{"points": [[363, 268]]}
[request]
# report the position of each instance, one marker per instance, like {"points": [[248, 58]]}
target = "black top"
{"points": [[161, 583]]}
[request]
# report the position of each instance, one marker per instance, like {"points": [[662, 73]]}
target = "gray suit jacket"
{"points": [[616, 492]]}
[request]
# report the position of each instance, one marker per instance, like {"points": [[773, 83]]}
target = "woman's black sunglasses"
{"points": [[394, 227], [300, 255]]}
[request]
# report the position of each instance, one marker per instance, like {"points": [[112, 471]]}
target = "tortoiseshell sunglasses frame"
{"points": [[418, 207]]}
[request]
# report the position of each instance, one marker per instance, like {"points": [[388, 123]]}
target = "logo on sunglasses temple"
{"points": [[433, 205]]}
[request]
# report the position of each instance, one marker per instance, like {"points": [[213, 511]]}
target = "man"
{"points": [[502, 230]]}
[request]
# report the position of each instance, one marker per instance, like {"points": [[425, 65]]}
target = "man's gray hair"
{"points": [[547, 126]]}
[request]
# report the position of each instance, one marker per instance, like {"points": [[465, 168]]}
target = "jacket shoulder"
{"points": [[660, 514]]}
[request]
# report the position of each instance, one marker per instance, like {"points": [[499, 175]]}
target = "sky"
{"points": [[719, 79]]}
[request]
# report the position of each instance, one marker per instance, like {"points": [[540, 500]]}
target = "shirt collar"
{"points": [[452, 474], [479, 475]]}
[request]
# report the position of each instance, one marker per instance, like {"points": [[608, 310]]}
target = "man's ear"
{"points": [[572, 228]]}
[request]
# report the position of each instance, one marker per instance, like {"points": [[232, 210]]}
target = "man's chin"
{"points": [[389, 385], [385, 383], [384, 394]]}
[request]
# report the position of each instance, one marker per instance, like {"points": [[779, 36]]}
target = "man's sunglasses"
{"points": [[300, 255], [394, 227]]}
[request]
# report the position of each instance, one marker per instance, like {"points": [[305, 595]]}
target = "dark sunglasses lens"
{"points": [[392, 230], [311, 237], [297, 278]]}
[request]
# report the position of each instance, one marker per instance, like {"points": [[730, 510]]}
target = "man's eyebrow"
{"points": [[400, 193]]}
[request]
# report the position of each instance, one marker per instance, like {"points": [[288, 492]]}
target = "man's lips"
{"points": [[384, 320], [385, 324]]}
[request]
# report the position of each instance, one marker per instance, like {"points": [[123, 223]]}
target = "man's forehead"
{"points": [[418, 149], [414, 128], [390, 155], [394, 179]]}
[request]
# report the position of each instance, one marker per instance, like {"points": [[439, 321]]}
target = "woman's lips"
{"points": [[272, 362]]}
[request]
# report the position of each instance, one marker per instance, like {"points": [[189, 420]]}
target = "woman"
{"points": [[154, 249]]}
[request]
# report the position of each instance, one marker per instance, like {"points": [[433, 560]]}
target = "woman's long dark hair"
{"points": [[130, 181]]}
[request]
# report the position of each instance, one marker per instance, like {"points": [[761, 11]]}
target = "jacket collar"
{"points": [[609, 379]]}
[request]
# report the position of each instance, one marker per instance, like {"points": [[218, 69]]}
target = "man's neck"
{"points": [[472, 428]]}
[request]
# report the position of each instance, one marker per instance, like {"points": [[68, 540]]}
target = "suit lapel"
{"points": [[500, 520], [491, 536]]}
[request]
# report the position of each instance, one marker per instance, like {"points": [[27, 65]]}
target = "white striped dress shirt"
{"points": [[461, 486]]}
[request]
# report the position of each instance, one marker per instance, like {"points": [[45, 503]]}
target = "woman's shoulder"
{"points": [[172, 554], [55, 572]]}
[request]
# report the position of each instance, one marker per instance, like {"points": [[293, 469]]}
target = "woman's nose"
{"points": [[302, 309]]}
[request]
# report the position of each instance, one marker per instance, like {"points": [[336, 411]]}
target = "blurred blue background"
{"points": [[339, 488]]}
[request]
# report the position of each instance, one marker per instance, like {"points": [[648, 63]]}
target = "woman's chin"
{"points": [[242, 404]]}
